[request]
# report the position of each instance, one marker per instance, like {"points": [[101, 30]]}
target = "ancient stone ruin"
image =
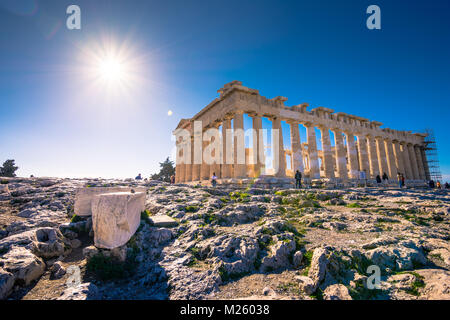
{"points": [[116, 213], [359, 144]]}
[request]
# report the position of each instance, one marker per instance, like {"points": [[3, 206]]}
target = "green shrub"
{"points": [[108, 268], [145, 215], [239, 196], [191, 209], [75, 219], [353, 205]]}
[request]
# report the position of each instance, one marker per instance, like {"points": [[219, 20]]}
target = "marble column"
{"points": [[214, 168], [339, 150], [197, 152], [406, 161], [391, 159], [352, 156], [296, 145], [177, 173], [373, 157], [381, 152], [398, 157], [188, 176], [227, 147], [240, 168], [420, 165], [314, 170], [278, 150], [204, 166], [328, 165], [363, 154], [425, 164], [413, 161], [258, 146]]}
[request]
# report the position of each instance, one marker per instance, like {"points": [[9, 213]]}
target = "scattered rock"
{"points": [[85, 291], [163, 221], [89, 252], [336, 292], [297, 259], [6, 283], [75, 243], [23, 264], [306, 284], [58, 270]]}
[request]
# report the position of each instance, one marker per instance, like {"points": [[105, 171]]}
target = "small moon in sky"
{"points": [[169, 113]]}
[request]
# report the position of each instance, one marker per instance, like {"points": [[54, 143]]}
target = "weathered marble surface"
{"points": [[116, 217]]}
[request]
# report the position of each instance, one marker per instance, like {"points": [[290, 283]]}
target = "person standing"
{"points": [[298, 179], [403, 180], [214, 180], [385, 179], [378, 178], [399, 179]]}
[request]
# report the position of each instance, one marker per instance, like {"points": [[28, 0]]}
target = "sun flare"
{"points": [[111, 69]]}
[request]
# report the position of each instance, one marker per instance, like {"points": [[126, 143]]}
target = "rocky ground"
{"points": [[228, 244]]}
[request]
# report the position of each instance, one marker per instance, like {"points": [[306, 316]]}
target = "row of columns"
{"points": [[374, 155]]}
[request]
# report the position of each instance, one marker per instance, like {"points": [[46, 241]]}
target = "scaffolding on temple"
{"points": [[431, 153]]}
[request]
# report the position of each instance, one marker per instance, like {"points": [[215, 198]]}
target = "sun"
{"points": [[111, 69]]}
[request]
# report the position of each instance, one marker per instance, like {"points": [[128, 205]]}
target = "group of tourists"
{"points": [[438, 185], [381, 180], [400, 179]]}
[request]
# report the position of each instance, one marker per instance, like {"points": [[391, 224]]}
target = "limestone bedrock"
{"points": [[116, 217]]}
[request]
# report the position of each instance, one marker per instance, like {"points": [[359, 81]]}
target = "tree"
{"points": [[8, 169], [166, 171]]}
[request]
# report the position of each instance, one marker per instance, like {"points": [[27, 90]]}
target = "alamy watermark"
{"points": [[73, 21], [374, 20]]}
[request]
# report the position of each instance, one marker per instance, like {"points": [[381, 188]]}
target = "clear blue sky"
{"points": [[57, 121]]}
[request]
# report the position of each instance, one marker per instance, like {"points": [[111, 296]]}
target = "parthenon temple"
{"points": [[349, 145]]}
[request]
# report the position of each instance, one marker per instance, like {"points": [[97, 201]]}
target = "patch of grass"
{"points": [[4, 181], [282, 209], [360, 292], [353, 205], [191, 209], [416, 285], [108, 268], [239, 196], [318, 295], [145, 215], [307, 258], [225, 276], [194, 262], [436, 256], [289, 287], [75, 219]]}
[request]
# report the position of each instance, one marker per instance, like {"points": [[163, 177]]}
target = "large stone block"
{"points": [[23, 264], [84, 196], [6, 283], [116, 217]]}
